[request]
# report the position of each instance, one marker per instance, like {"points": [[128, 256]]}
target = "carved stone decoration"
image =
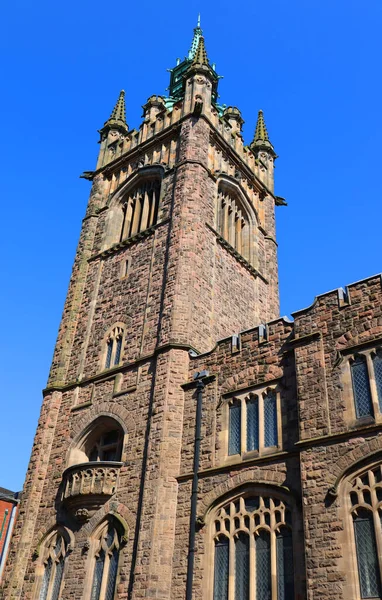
{"points": [[82, 515], [88, 486]]}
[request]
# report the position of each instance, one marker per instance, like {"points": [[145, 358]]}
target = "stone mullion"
{"points": [[231, 565], [252, 564], [127, 221], [136, 214], [243, 425], [231, 226], [376, 518], [105, 576], [145, 210], [273, 563], [261, 422], [225, 218], [238, 231], [373, 385]]}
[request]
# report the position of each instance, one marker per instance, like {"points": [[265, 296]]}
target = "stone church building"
{"points": [[192, 443]]}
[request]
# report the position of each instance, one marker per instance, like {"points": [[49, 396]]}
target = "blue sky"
{"points": [[312, 66]]}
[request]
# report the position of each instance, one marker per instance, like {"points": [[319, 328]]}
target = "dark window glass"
{"points": [[368, 571], [108, 354], [242, 567], [377, 362], [270, 420], [263, 566], [234, 428], [112, 578], [285, 579], [361, 387], [97, 577], [118, 351], [253, 424], [221, 569], [46, 579]]}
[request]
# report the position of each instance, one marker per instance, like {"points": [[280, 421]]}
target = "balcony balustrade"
{"points": [[89, 485]]}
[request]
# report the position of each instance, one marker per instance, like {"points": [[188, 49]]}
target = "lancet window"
{"points": [[114, 344], [53, 559], [232, 221], [366, 513], [366, 376], [140, 208], [253, 551], [253, 422], [106, 551]]}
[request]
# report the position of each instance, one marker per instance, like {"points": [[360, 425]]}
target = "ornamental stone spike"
{"points": [[200, 57], [117, 118]]}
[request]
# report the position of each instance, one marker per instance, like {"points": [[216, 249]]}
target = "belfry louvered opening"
{"points": [[140, 207], [232, 221]]}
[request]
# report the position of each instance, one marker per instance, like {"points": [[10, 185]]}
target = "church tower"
{"points": [[177, 251]]}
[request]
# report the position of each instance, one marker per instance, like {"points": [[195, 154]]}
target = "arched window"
{"points": [[106, 550], [253, 554], [377, 364], [366, 512], [232, 221], [140, 208], [53, 559], [102, 441], [361, 387], [114, 345]]}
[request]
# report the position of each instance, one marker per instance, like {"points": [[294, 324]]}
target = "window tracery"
{"points": [[232, 221], [53, 560], [366, 383], [106, 551], [253, 554], [365, 493], [114, 344], [140, 208]]}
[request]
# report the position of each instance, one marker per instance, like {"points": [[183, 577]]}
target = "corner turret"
{"points": [[264, 151], [113, 131]]}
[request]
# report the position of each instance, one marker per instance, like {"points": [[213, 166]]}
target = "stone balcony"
{"points": [[89, 485]]}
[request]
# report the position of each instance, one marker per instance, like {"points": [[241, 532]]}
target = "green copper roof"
{"points": [[196, 56], [118, 115]]}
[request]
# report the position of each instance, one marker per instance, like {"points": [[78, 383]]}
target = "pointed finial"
{"points": [[195, 40], [261, 137], [118, 115], [261, 133], [200, 57]]}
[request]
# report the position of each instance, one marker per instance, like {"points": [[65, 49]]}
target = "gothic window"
{"points": [[254, 422], [140, 208], [377, 365], [253, 554], [107, 447], [105, 561], [366, 512], [232, 221], [114, 347], [53, 559], [361, 387]]}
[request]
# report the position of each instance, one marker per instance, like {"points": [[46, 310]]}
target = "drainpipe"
{"points": [[8, 534], [198, 377]]}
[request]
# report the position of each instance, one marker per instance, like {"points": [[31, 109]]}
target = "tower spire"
{"points": [[261, 137], [195, 40]]}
